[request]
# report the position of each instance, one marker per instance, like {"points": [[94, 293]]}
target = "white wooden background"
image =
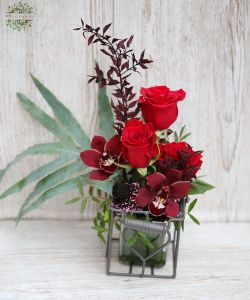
{"points": [[200, 46]]}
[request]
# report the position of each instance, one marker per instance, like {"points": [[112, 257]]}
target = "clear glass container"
{"points": [[127, 255]]}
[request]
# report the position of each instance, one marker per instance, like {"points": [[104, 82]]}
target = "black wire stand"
{"points": [[172, 239]]}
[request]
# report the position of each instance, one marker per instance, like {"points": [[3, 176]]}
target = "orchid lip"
{"points": [[159, 202], [108, 163]]}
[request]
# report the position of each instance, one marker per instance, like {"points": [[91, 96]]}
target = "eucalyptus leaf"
{"points": [[62, 187], [105, 185], [44, 119], [106, 117], [54, 178], [64, 115], [35, 175], [47, 148]]}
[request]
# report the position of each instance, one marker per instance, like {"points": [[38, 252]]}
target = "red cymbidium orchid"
{"points": [[103, 156], [162, 193]]}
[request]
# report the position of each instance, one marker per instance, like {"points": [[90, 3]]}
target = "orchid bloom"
{"points": [[162, 193], [103, 156]]}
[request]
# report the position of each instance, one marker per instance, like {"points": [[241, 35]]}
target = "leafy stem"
{"points": [[124, 63]]}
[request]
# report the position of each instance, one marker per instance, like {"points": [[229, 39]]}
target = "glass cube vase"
{"points": [[157, 257], [141, 249]]}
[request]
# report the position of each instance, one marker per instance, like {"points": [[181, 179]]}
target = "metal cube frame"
{"points": [[174, 241]]}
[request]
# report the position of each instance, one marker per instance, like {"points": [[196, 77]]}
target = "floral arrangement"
{"points": [[136, 163], [152, 171]]}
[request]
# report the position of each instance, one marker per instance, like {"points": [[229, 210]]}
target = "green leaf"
{"points": [[91, 191], [54, 178], [145, 240], [62, 187], [118, 226], [107, 216], [73, 200], [83, 204], [101, 237], [34, 175], [182, 130], [157, 157], [95, 199], [99, 193], [105, 114], [142, 171], [184, 137], [191, 205], [199, 187], [80, 188], [131, 241], [48, 148], [125, 166], [176, 138], [152, 168], [64, 115], [105, 185], [47, 121], [194, 219]]}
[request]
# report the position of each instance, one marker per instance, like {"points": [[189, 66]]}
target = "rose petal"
{"points": [[98, 175], [144, 196], [157, 208], [98, 143], [172, 176], [175, 96], [172, 209], [155, 181], [113, 146], [161, 116], [179, 189], [90, 158]]}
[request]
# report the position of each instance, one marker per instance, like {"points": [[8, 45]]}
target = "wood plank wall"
{"points": [[200, 46]]}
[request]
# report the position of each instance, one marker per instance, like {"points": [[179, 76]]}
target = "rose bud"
{"points": [[138, 143], [159, 105]]}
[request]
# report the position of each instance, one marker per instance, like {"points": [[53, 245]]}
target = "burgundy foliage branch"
{"points": [[123, 64]]}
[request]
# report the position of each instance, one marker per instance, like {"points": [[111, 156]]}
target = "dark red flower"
{"points": [[162, 193], [159, 105], [102, 156], [180, 156], [138, 143]]}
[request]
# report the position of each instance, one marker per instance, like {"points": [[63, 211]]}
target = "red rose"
{"points": [[138, 143], [180, 156], [159, 105]]}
